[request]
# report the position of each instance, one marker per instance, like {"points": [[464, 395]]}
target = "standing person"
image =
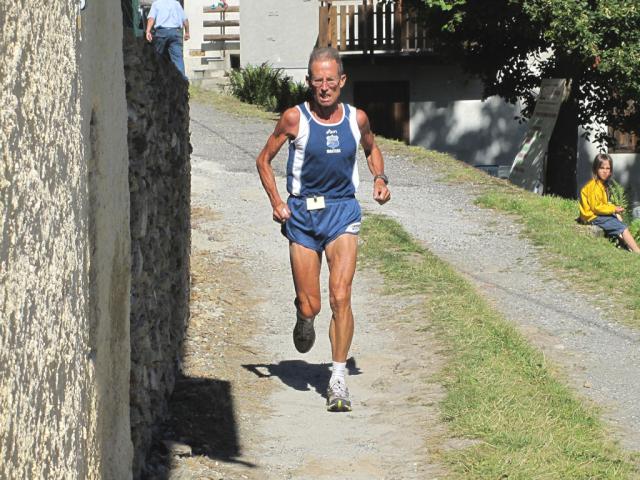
{"points": [[595, 207], [321, 213], [169, 18]]}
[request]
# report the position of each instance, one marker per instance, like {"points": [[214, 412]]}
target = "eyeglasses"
{"points": [[331, 82]]}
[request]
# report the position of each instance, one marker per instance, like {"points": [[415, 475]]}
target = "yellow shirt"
{"points": [[594, 201]]}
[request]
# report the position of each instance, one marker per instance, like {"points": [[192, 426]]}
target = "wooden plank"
{"points": [[411, 33], [398, 31], [343, 27], [405, 31], [388, 17], [379, 19], [333, 24], [221, 23], [222, 38], [352, 28], [424, 44], [369, 9], [362, 28], [221, 10], [323, 27]]}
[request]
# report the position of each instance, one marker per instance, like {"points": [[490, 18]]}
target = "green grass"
{"points": [[447, 167], [500, 391], [592, 264], [229, 104]]}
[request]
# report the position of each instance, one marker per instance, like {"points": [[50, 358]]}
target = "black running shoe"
{"points": [[304, 336]]}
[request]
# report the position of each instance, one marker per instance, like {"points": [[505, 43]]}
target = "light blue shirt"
{"points": [[167, 14]]}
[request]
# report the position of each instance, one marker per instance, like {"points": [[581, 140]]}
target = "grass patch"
{"points": [[593, 264], [229, 104], [448, 168], [499, 390]]}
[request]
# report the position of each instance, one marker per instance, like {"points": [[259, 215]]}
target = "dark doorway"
{"points": [[387, 105]]}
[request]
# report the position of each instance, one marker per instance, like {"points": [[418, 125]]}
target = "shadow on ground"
{"points": [[301, 375], [201, 417]]}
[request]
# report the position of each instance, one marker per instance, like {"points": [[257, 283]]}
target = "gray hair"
{"points": [[325, 53]]}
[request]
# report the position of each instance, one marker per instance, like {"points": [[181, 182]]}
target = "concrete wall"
{"points": [[64, 248], [159, 182], [447, 113], [281, 32]]}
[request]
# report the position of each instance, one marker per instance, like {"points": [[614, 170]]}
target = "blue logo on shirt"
{"points": [[333, 141]]}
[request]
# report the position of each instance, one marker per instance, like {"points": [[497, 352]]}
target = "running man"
{"points": [[321, 213]]}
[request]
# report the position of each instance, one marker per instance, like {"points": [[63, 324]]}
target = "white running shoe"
{"points": [[338, 396]]}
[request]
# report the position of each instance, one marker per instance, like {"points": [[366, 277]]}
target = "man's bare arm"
{"points": [[381, 193], [185, 24], [286, 128], [150, 22]]}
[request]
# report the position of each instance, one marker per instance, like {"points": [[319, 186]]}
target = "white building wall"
{"points": [[64, 247], [281, 32]]}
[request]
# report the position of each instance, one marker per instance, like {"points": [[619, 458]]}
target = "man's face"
{"points": [[325, 82]]}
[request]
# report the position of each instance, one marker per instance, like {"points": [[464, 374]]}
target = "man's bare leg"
{"points": [[305, 268], [341, 257]]}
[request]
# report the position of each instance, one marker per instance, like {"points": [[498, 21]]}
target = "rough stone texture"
{"points": [[64, 243], [160, 186]]}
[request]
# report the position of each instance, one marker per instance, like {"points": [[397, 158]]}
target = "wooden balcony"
{"points": [[370, 26]]}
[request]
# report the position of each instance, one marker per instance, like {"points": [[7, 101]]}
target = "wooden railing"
{"points": [[221, 23], [370, 26]]}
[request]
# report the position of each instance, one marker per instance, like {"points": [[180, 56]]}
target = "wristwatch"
{"points": [[382, 176]]}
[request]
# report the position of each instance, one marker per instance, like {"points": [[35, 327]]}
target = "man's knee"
{"points": [[308, 307], [340, 297]]}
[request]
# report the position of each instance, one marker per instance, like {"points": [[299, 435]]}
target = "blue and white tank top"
{"points": [[322, 158]]}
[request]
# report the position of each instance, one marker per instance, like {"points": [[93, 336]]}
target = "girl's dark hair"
{"points": [[599, 160]]}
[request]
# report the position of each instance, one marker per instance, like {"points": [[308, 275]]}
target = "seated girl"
{"points": [[595, 207]]}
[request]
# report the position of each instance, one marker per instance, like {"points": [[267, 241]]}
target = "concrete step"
{"points": [[204, 73], [216, 84]]}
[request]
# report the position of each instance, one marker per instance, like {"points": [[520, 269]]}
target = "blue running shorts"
{"points": [[315, 229], [610, 224]]}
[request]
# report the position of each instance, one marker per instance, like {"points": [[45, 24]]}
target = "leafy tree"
{"points": [[512, 44]]}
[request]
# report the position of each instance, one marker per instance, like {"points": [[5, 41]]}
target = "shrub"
{"points": [[634, 229], [618, 196], [267, 87]]}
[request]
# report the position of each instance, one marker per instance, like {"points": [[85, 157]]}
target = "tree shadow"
{"points": [[202, 416], [301, 375]]}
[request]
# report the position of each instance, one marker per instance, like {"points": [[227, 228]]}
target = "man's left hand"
{"points": [[187, 36], [381, 193]]}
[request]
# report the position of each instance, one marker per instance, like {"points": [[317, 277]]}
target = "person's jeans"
{"points": [[170, 39]]}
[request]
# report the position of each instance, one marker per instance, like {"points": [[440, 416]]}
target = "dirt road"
{"points": [[272, 422], [268, 419]]}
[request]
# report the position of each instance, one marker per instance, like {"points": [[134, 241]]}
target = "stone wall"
{"points": [[159, 181], [64, 243]]}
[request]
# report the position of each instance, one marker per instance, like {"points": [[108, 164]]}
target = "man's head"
{"points": [[325, 76]]}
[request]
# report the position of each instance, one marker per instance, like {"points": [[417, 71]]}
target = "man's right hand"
{"points": [[281, 213], [149, 37]]}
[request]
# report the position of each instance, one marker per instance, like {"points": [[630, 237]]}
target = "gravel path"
{"points": [[290, 435]]}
